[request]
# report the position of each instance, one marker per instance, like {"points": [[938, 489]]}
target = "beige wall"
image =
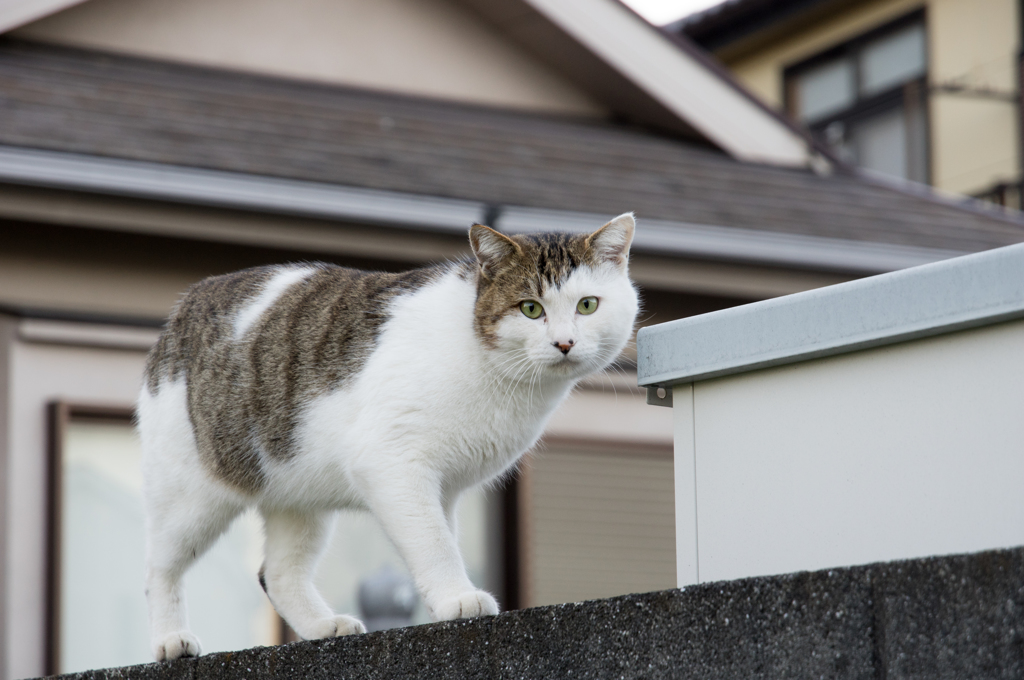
{"points": [[974, 141], [420, 47]]}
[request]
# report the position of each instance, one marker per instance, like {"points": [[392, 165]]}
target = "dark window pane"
{"points": [[892, 60], [825, 89], [880, 143]]}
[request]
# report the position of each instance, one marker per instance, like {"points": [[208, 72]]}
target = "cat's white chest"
{"points": [[427, 395]]}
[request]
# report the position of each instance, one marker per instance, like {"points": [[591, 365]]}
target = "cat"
{"points": [[305, 389]]}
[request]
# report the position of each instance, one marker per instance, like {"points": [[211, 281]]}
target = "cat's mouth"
{"points": [[566, 362]]}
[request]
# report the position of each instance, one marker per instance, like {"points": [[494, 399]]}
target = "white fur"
{"points": [[432, 413], [272, 290]]}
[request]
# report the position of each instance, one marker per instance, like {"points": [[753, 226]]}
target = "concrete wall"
{"points": [[941, 619], [419, 47], [974, 140]]}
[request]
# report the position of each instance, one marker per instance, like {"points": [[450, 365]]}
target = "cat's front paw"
{"points": [[466, 606], [176, 645], [336, 626]]}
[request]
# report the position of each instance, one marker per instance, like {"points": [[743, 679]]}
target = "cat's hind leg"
{"points": [[294, 543], [176, 537], [185, 511]]}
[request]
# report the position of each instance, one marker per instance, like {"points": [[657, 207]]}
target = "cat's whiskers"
{"points": [[507, 362], [533, 378], [605, 376], [512, 356], [520, 369]]}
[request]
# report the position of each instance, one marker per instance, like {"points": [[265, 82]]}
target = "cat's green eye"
{"points": [[587, 305], [531, 308]]}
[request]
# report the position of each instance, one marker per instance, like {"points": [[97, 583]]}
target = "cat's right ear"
{"points": [[491, 248]]}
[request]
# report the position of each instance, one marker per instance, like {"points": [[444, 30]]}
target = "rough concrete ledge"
{"points": [[936, 618]]}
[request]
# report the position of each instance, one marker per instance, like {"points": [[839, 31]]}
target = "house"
{"points": [[927, 90], [149, 143]]}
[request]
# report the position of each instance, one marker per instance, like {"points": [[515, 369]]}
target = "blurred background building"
{"points": [[145, 144], [923, 90]]}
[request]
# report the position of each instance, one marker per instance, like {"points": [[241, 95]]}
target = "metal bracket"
{"points": [[659, 396]]}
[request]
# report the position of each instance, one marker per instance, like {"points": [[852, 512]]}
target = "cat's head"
{"points": [[562, 303]]}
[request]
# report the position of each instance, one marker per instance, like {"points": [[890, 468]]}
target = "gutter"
{"points": [[215, 188], [332, 202]]}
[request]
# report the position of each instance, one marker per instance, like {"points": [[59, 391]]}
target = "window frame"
{"points": [[912, 95], [59, 416]]}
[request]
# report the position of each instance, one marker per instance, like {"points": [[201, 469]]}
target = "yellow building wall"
{"points": [[760, 67], [974, 141]]}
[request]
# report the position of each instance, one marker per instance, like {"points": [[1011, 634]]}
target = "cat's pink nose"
{"points": [[564, 347]]}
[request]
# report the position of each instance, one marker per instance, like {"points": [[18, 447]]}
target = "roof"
{"points": [[649, 76], [113, 107], [732, 20], [639, 73]]}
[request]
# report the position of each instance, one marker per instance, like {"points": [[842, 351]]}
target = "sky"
{"points": [[664, 11]]}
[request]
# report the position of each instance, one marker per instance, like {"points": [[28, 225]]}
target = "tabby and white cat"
{"points": [[304, 389]]}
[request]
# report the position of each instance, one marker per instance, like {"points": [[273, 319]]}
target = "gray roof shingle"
{"points": [[91, 103]]}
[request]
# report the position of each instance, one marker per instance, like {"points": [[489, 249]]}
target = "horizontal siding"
{"points": [[599, 525]]}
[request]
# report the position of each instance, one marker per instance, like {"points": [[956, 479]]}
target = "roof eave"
{"points": [[439, 215], [16, 13]]}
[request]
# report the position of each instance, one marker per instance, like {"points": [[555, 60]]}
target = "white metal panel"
{"points": [[973, 290], [901, 451], [687, 571]]}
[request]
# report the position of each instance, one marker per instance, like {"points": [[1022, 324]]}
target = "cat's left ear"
{"points": [[491, 248], [611, 242]]}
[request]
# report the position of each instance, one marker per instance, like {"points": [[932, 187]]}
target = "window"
{"points": [[97, 606], [866, 99]]}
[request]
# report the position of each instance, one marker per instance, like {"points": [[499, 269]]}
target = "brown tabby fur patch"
{"points": [[245, 396]]}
